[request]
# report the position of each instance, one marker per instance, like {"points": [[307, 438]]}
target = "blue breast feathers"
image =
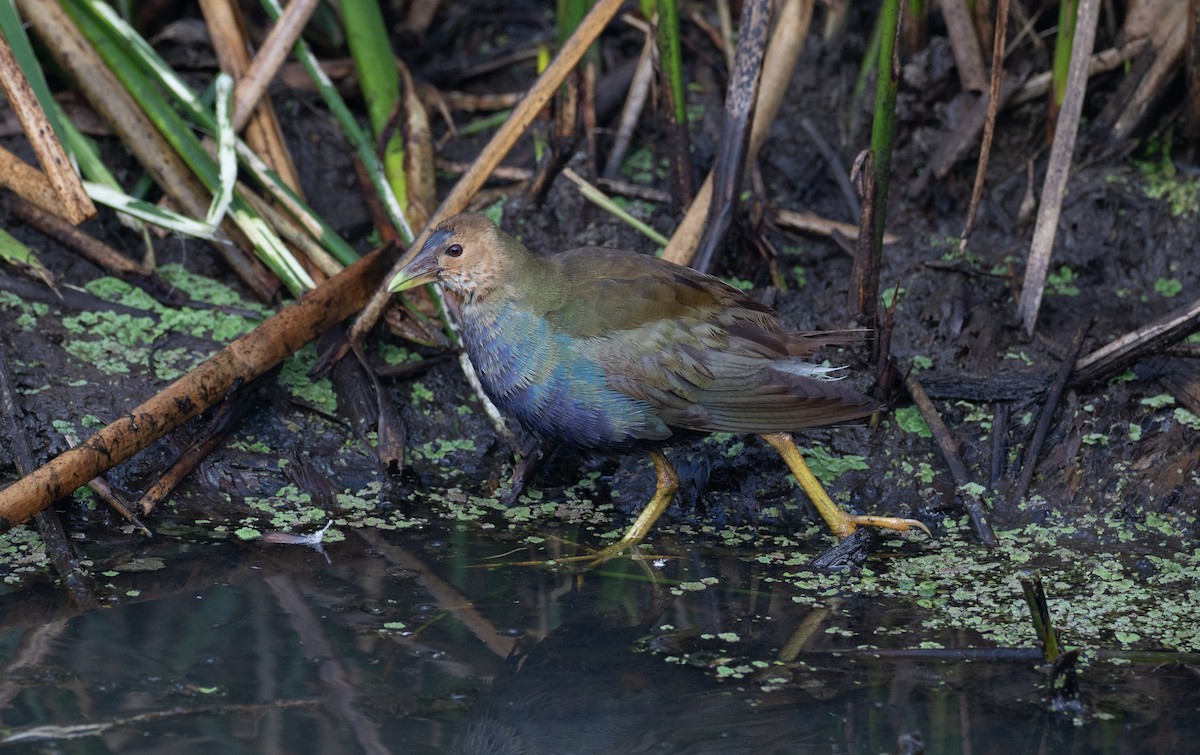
{"points": [[547, 381]]}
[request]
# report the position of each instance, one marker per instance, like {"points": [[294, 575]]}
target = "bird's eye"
{"points": [[454, 250]]}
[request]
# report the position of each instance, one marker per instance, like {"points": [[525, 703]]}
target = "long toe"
{"points": [[889, 522]]}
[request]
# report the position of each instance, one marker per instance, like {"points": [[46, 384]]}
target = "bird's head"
{"points": [[466, 253]]}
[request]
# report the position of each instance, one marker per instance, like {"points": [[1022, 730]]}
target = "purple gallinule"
{"points": [[607, 350]]}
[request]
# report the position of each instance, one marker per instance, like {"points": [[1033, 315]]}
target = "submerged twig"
{"points": [[1064, 680], [232, 409], [58, 549], [62, 732], [1000, 419], [443, 593], [115, 501], [1039, 612]]}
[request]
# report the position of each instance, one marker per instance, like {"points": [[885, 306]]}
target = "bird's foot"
{"points": [[842, 524], [587, 561], [886, 522]]}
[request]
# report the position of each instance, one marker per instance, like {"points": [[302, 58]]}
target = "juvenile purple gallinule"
{"points": [[607, 350]]}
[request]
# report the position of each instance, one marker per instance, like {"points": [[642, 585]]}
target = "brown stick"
{"points": [[631, 112], [258, 118], [1060, 165], [275, 48], [735, 136], [1148, 339], [837, 168], [864, 285], [1034, 449], [1102, 62], [95, 250], [1130, 107], [74, 205], [810, 223], [231, 410], [243, 360], [787, 42], [999, 443], [101, 488], [989, 125], [1192, 69], [968, 57], [26, 181], [949, 447]]}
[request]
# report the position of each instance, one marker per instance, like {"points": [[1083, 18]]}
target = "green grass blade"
{"points": [[1068, 11], [610, 205], [883, 126], [15, 253], [366, 35], [670, 52], [148, 211], [13, 30], [362, 144]]}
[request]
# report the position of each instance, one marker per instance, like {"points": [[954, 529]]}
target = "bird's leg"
{"points": [[664, 493], [842, 524]]}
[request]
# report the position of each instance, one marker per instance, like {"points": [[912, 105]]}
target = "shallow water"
{"points": [[409, 643]]}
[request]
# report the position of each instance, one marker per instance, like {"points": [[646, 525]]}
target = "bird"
{"points": [[610, 351]]}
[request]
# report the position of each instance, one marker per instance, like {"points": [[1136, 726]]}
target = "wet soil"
{"points": [[1110, 518]]}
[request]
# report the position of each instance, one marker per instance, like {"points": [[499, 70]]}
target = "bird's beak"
{"points": [[420, 270]]}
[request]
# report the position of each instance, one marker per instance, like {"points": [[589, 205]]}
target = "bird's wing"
{"points": [[606, 291], [699, 376]]}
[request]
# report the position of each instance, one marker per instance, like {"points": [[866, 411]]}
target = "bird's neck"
{"points": [[527, 282]]}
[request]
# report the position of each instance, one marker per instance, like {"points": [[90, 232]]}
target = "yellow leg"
{"points": [[842, 524], [664, 493]]}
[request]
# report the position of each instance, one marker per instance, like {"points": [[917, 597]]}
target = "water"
{"points": [[410, 644]]}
